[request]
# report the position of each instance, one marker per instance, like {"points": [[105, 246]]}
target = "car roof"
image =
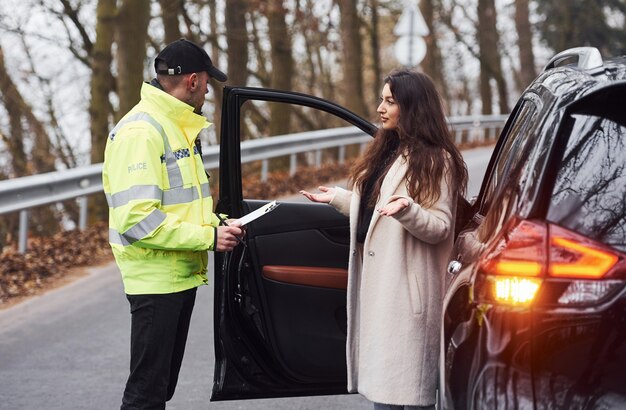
{"points": [[570, 82]]}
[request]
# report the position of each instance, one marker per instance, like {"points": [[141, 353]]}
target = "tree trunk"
{"points": [[433, 62], [131, 39], [237, 39], [101, 81], [485, 90], [325, 76], [100, 107], [375, 44], [19, 112], [524, 42], [309, 26], [41, 155], [262, 74], [490, 65], [503, 93], [215, 58], [15, 142], [282, 72], [282, 64], [352, 57], [170, 10]]}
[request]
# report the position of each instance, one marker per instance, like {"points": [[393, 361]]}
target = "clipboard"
{"points": [[257, 213]]}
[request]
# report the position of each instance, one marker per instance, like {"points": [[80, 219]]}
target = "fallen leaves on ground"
{"points": [[281, 184], [49, 258]]}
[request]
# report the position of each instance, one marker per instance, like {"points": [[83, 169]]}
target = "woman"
{"points": [[401, 214]]}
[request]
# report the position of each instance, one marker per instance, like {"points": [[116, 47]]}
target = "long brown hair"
{"points": [[422, 136]]}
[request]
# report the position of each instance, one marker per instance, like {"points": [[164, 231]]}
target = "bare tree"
{"points": [[352, 56], [433, 62], [21, 115], [170, 11], [72, 14], [322, 44], [490, 65], [307, 24], [524, 42], [237, 39], [377, 70], [14, 105], [282, 64], [262, 73], [23, 123], [583, 23], [215, 58], [102, 83], [131, 38]]}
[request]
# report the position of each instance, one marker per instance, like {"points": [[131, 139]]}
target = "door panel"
{"points": [[305, 324], [280, 299], [308, 276], [291, 336]]}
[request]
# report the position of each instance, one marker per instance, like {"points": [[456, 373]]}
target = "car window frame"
{"points": [[235, 98], [530, 97]]}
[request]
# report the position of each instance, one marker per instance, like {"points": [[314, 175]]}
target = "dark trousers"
{"points": [[159, 327]]}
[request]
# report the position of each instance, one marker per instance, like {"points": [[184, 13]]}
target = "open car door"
{"points": [[280, 298]]}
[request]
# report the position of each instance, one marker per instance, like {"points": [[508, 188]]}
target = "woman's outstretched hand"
{"points": [[325, 197], [394, 207]]}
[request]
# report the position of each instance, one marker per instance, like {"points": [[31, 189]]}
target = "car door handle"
{"points": [[454, 267]]}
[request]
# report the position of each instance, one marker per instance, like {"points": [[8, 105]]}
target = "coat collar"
{"points": [[177, 111]]}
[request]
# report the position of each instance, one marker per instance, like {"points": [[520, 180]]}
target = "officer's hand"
{"points": [[233, 222], [227, 238]]}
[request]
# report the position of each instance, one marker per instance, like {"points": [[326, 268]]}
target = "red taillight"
{"points": [[529, 251], [520, 251], [574, 256], [516, 263]]}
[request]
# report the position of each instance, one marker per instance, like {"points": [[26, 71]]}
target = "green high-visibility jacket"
{"points": [[161, 223]]}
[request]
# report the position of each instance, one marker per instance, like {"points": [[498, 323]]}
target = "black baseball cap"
{"points": [[184, 57]]}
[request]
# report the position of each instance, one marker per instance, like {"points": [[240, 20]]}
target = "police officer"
{"points": [[161, 223]]}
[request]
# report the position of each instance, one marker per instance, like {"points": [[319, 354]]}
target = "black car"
{"points": [[535, 307]]}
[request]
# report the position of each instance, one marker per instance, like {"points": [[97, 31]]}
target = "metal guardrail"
{"points": [[21, 194]]}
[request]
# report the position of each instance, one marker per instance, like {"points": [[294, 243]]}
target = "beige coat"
{"points": [[395, 294]]}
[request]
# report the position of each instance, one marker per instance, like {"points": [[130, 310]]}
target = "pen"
{"points": [[222, 220], [223, 223]]}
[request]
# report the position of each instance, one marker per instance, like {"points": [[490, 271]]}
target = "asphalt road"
{"points": [[69, 348], [476, 160]]}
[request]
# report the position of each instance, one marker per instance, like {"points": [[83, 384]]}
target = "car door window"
{"points": [[519, 141], [514, 179], [590, 187], [315, 165]]}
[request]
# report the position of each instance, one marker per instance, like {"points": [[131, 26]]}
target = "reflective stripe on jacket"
{"points": [[161, 222]]}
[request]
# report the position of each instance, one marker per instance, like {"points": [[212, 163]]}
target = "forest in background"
{"points": [[70, 68]]}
